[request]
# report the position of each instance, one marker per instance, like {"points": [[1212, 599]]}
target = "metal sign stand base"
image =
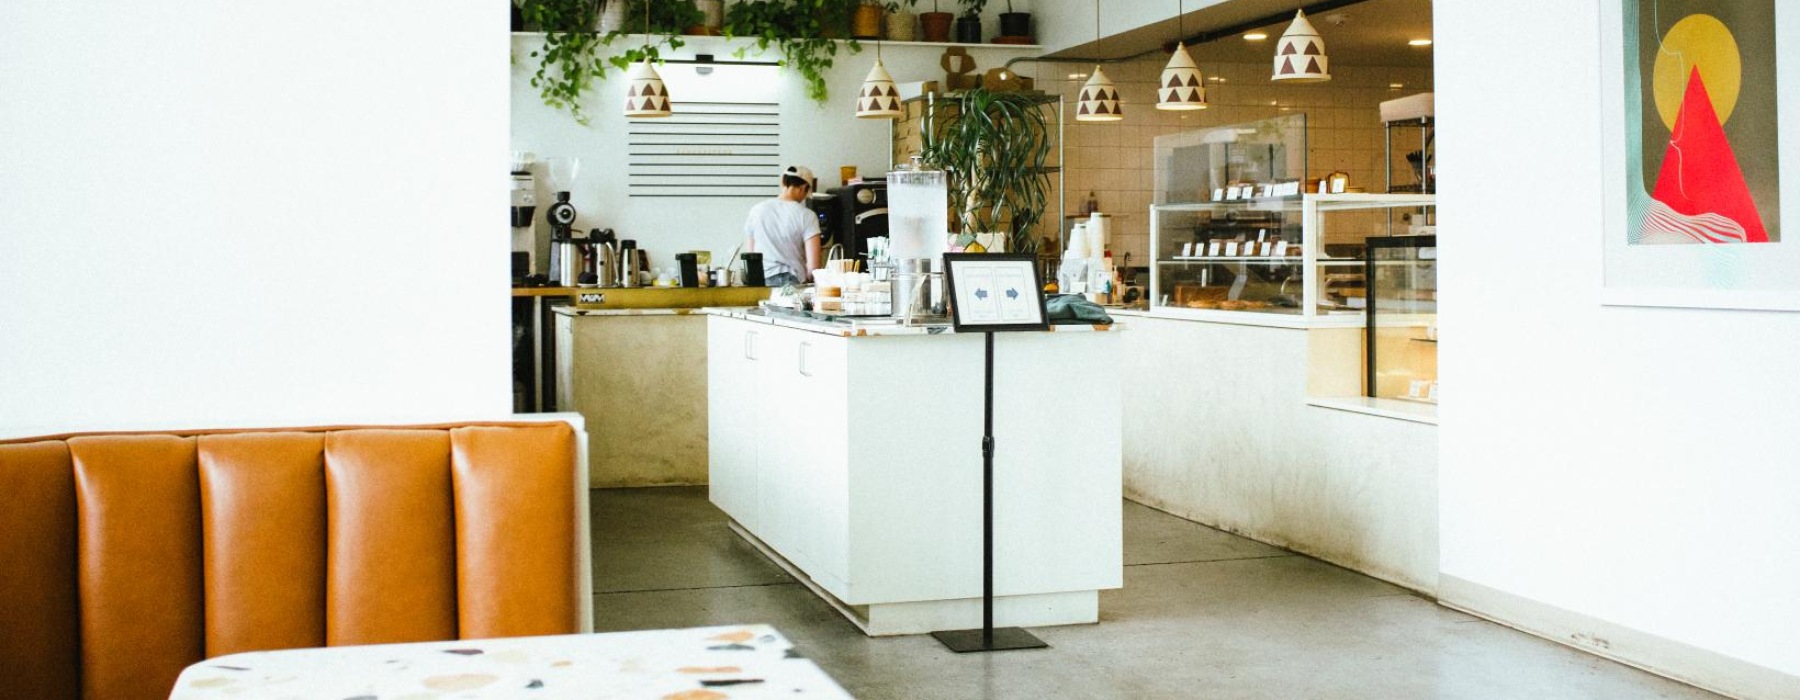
{"points": [[987, 638]]}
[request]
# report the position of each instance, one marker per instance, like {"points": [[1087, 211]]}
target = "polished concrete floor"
{"points": [[1203, 614]]}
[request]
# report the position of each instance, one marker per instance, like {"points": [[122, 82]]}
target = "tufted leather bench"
{"points": [[126, 557]]}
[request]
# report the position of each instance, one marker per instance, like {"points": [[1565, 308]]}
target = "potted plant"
{"points": [[798, 29], [935, 25], [865, 19], [711, 15], [994, 147], [1014, 23], [901, 24], [968, 24], [571, 58]]}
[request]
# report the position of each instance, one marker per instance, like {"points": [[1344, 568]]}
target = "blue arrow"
{"points": [[1012, 293], [981, 294]]}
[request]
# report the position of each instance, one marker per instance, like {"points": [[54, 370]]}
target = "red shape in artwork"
{"points": [[1700, 173]]}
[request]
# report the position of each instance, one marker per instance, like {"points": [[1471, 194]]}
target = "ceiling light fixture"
{"points": [[878, 98], [1099, 101], [647, 97], [1419, 42], [1181, 86], [1300, 55], [1255, 36]]}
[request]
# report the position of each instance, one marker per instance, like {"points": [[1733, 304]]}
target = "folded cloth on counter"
{"points": [[1062, 309]]}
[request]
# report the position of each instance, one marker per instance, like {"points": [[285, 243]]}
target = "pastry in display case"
{"points": [[1400, 332]]}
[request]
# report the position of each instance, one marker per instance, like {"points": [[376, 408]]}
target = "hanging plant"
{"points": [[572, 59], [797, 28], [994, 147]]}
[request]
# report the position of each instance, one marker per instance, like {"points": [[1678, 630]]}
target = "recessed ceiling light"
{"points": [[1274, 102], [1255, 36], [1419, 42], [1077, 76], [1218, 79], [1396, 86]]}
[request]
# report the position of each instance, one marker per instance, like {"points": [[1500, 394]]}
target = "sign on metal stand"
{"points": [[992, 293]]}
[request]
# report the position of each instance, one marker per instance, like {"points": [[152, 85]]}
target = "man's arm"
{"points": [[812, 258]]}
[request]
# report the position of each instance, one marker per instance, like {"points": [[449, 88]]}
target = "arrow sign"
{"points": [[981, 294], [1012, 293]]}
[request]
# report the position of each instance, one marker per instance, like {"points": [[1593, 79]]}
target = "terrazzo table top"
{"points": [[704, 663]]}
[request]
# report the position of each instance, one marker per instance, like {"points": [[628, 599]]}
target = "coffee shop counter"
{"points": [[853, 455]]}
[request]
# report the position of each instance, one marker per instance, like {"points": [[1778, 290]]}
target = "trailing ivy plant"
{"points": [[993, 147], [571, 58], [797, 28]]}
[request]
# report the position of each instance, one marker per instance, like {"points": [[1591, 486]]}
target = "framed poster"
{"points": [[1694, 154], [994, 292]]}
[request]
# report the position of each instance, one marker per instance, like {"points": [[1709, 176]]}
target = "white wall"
{"points": [[821, 136], [1603, 468], [228, 214]]}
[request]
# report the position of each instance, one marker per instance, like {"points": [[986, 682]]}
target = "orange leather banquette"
{"points": [[126, 557]]}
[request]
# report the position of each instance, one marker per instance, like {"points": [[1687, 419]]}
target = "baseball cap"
{"points": [[799, 171]]}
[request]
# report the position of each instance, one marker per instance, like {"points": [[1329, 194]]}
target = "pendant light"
{"points": [[878, 98], [1300, 55], [1099, 100], [1182, 86], [647, 97]]}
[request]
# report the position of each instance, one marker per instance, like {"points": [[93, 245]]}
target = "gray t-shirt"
{"points": [[778, 229]]}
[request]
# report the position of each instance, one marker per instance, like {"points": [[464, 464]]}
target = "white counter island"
{"points": [[855, 455]]}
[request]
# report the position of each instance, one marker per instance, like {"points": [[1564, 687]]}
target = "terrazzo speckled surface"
{"points": [[716, 663], [1203, 615]]}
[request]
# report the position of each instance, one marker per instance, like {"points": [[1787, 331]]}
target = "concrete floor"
{"points": [[1203, 614]]}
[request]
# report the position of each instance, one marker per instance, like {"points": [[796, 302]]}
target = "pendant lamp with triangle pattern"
{"points": [[878, 99], [1099, 100], [1300, 55], [1182, 86], [646, 97]]}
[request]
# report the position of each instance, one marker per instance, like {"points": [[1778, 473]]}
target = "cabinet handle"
{"points": [[802, 357], [750, 345]]}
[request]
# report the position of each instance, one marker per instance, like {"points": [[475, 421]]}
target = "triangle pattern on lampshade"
{"points": [[1181, 72], [647, 97], [1099, 100], [880, 99], [1301, 39]]}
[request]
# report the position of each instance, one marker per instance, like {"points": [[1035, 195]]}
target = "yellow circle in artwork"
{"points": [[1697, 41]]}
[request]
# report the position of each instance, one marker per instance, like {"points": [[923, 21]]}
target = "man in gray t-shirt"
{"points": [[785, 231]]}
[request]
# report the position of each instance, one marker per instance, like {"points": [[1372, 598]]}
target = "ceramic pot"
{"points": [[612, 17], [936, 26], [1015, 24], [865, 23], [902, 26], [968, 30]]}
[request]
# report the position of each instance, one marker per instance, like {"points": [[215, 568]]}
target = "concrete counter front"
{"points": [[857, 459]]}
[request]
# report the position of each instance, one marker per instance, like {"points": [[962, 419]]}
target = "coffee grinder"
{"points": [[561, 217]]}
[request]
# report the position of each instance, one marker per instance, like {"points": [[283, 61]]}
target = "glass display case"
{"points": [[1290, 261], [1400, 335]]}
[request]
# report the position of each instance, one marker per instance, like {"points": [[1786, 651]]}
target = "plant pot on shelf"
{"points": [[612, 17], [865, 23], [902, 26], [1015, 24], [712, 13], [936, 26], [968, 30]]}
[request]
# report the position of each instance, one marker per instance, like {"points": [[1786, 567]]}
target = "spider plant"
{"points": [[994, 147]]}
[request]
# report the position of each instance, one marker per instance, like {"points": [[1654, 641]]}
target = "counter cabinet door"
{"points": [[732, 414]]}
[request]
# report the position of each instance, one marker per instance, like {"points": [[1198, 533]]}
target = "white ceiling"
{"points": [[1370, 33]]}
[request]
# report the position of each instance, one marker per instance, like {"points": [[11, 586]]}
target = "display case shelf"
{"points": [[1324, 285]]}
